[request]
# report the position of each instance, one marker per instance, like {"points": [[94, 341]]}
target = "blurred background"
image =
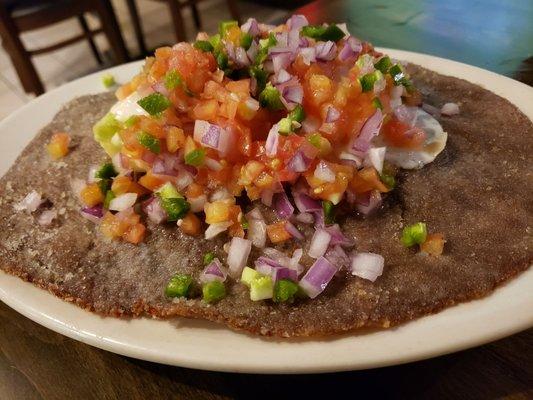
{"points": [[46, 43]]}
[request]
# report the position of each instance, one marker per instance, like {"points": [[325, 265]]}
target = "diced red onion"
{"points": [[265, 28], [370, 129], [324, 172], [271, 145], [337, 237], [256, 232], [159, 167], [282, 76], [212, 136], [252, 104], [266, 197], [294, 232], [123, 201], [252, 51], [214, 271], [197, 203], [214, 229], [344, 28], [375, 157], [297, 21], [159, 87], [251, 26], [295, 259], [284, 273], [294, 41], [47, 217], [326, 51], [149, 157], [305, 218], [365, 64], [91, 178], [30, 202], [298, 162], [93, 214], [220, 194], [351, 159], [282, 40], [379, 84], [332, 114], [304, 203], [238, 253], [308, 54], [291, 95], [319, 243], [282, 205], [449, 109], [319, 219], [351, 49], [241, 58], [310, 124], [184, 179], [152, 208], [337, 256], [367, 265], [281, 61], [373, 201], [212, 164], [317, 277]]}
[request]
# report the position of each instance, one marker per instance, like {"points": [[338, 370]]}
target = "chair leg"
{"points": [[234, 10], [89, 37], [19, 56], [112, 30], [177, 19], [196, 16], [136, 21]]}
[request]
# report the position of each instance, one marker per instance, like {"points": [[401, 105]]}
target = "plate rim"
{"points": [[75, 333]]}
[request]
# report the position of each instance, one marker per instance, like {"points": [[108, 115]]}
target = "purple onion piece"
{"points": [[370, 129], [332, 114], [295, 233], [284, 273], [299, 162], [338, 257], [251, 26], [304, 203], [317, 277], [282, 205], [271, 145], [373, 201], [326, 51], [337, 237], [367, 265], [214, 271], [297, 22]]}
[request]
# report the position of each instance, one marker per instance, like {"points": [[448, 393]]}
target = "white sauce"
{"points": [[433, 145], [123, 109]]}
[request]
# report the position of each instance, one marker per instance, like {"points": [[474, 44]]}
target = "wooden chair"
{"points": [[175, 7], [17, 16]]}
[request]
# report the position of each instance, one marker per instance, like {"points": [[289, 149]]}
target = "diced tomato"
{"points": [[366, 180], [91, 195], [134, 234], [195, 66], [399, 134], [277, 232], [151, 181], [190, 225], [206, 110], [434, 244], [218, 211], [175, 139], [58, 146]]}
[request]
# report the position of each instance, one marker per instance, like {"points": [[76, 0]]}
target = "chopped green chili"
{"points": [[284, 291], [414, 234], [178, 286], [151, 143], [213, 291], [154, 103]]}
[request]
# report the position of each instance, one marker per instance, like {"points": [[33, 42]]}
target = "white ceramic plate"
{"points": [[204, 345]]}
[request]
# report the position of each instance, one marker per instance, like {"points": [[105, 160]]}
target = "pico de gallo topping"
{"points": [[299, 117]]}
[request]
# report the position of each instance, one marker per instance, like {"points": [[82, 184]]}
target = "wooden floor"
{"points": [[75, 61]]}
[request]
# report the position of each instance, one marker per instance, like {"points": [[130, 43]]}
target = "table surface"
{"points": [[36, 363]]}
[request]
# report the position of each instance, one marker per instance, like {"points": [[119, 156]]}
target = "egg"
{"points": [[435, 142]]}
